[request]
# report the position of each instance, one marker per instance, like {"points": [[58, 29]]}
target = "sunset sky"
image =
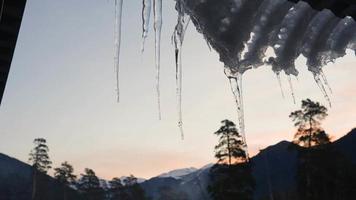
{"points": [[62, 87]]}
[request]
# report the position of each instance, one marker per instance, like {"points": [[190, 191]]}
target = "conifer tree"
{"points": [[133, 189], [39, 157], [314, 158], [89, 185], [308, 121], [230, 147], [231, 177], [64, 174], [40, 162], [117, 191]]}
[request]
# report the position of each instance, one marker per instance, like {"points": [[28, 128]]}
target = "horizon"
{"points": [[187, 167], [62, 87]]}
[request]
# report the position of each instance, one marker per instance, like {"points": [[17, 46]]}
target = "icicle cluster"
{"points": [[177, 40], [242, 30]]}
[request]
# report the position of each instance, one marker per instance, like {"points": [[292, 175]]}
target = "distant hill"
{"points": [[16, 182], [15, 179], [347, 145], [274, 169]]}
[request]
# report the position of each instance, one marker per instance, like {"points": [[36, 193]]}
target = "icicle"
{"points": [[157, 12], [325, 80], [235, 79], [146, 15], [118, 16], [177, 39], [280, 84], [322, 87], [291, 88]]}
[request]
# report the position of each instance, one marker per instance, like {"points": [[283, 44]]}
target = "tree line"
{"points": [[88, 185]]}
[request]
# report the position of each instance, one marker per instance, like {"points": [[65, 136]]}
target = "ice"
{"points": [[157, 12], [235, 79], [291, 88], [118, 18], [322, 87], [242, 32], [177, 39], [326, 82], [280, 84], [146, 15]]}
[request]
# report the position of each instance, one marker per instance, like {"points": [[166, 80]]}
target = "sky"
{"points": [[62, 87]]}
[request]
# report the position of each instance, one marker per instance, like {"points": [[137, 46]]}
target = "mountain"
{"points": [[274, 169], [277, 161], [347, 145], [15, 178], [193, 185], [178, 173], [16, 182]]}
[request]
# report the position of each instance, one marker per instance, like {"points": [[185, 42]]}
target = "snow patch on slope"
{"points": [[178, 173]]}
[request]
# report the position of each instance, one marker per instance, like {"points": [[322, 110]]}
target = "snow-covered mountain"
{"points": [[178, 173], [188, 181]]}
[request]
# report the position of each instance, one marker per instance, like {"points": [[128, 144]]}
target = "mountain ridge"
{"points": [[277, 161]]}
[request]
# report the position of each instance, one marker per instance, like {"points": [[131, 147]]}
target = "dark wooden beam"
{"points": [[10, 22]]}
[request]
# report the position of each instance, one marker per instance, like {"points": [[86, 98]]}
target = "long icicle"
{"points": [[322, 87], [280, 84], [118, 16], [291, 88], [242, 116], [146, 15], [235, 80], [157, 12], [326, 82], [177, 39]]}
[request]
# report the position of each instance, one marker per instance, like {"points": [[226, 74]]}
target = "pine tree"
{"points": [[133, 189], [39, 156], [230, 148], [231, 177], [117, 191], [308, 121], [314, 164], [64, 174], [89, 185], [41, 163]]}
